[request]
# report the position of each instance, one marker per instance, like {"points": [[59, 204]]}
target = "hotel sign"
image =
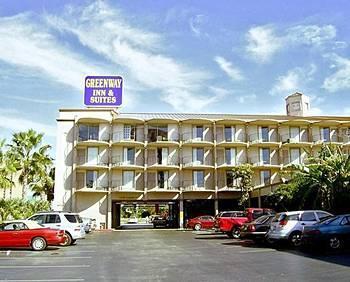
{"points": [[103, 91]]}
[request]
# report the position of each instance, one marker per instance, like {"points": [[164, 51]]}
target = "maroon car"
{"points": [[201, 222], [29, 234]]}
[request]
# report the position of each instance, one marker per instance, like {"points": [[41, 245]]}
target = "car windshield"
{"points": [[333, 220]]}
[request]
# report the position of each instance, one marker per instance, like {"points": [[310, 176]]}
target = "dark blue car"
{"points": [[333, 232]]}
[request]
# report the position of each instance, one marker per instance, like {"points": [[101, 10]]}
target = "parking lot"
{"points": [[170, 255]]}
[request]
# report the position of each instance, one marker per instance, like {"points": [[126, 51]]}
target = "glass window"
{"points": [[308, 216], [265, 155], [71, 218], [265, 177], [162, 179], [264, 131], [157, 133], [91, 179], [93, 132], [230, 181], [296, 106], [162, 133], [92, 155], [295, 134], [198, 155], [199, 132], [229, 133], [128, 179], [322, 215], [326, 134], [198, 178], [295, 156], [230, 156], [83, 132], [129, 132], [53, 218], [129, 155], [38, 218]]}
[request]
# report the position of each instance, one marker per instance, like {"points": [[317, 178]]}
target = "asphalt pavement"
{"points": [[170, 255]]}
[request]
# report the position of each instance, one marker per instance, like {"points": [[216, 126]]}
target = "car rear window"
{"points": [[293, 217], [71, 218]]}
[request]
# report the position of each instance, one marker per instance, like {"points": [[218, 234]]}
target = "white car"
{"points": [[289, 225], [71, 223]]}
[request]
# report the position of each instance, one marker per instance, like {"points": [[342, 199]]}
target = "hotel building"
{"points": [[106, 159]]}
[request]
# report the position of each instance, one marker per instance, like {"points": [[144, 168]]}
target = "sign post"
{"points": [[105, 91]]}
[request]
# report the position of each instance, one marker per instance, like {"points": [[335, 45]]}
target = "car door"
{"points": [[53, 221], [307, 218], [10, 234], [6, 236], [204, 221]]}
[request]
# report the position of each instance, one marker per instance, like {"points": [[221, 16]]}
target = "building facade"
{"points": [[105, 159]]}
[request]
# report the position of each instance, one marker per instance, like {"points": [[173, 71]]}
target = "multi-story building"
{"points": [[106, 158]]}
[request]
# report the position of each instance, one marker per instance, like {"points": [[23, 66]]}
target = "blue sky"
{"points": [[174, 56]]}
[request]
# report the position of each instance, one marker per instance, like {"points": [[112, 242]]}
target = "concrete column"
{"points": [[109, 211], [216, 204], [74, 162], [181, 213]]}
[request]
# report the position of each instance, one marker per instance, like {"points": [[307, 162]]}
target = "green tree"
{"points": [[33, 159], [8, 166], [244, 176]]}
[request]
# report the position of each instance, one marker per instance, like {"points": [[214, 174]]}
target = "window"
{"points": [[296, 106], [230, 180], [295, 134], [128, 179], [162, 155], [91, 179], [229, 133], [38, 218], [92, 155], [325, 134], [295, 156], [129, 155], [264, 133], [14, 226], [265, 155], [265, 177], [294, 217], [198, 178], [230, 156], [129, 132], [308, 216], [88, 132], [198, 132], [157, 133], [162, 179], [52, 218], [71, 218], [198, 155], [345, 221], [322, 215]]}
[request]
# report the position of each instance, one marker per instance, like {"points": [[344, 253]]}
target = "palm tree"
{"points": [[8, 166], [33, 159], [244, 176]]}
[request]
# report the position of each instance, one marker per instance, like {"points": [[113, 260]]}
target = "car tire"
{"points": [[74, 241], [197, 227], [38, 244], [236, 233], [295, 239], [68, 240], [335, 243]]}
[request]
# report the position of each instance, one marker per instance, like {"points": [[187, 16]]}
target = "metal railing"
{"points": [[188, 137], [119, 161], [120, 136], [98, 186], [165, 185], [189, 185], [320, 138], [258, 138], [170, 160], [189, 161], [287, 138], [93, 137], [83, 160], [118, 185]]}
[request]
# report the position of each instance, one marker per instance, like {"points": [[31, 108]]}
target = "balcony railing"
{"points": [[287, 138], [93, 137], [98, 186], [320, 138], [83, 160], [188, 137], [165, 185], [120, 161], [189, 162], [170, 160], [121, 136], [118, 185], [258, 138], [190, 185]]}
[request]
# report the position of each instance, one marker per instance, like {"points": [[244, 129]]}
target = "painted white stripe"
{"points": [[39, 257], [45, 280], [43, 266]]}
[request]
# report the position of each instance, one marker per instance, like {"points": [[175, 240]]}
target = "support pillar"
{"points": [[181, 213], [109, 211], [216, 205]]}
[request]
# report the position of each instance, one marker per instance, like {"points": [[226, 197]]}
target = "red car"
{"points": [[201, 222], [27, 233]]}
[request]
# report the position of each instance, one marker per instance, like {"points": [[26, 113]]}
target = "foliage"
{"points": [[21, 209], [322, 184], [244, 176], [34, 162], [8, 166]]}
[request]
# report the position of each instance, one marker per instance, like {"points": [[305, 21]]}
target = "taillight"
{"points": [[251, 228], [283, 222]]}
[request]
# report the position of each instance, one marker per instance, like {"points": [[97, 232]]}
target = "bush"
{"points": [[21, 209]]}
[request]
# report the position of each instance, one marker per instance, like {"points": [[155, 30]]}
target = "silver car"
{"points": [[289, 225]]}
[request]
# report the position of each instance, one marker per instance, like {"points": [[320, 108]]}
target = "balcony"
{"points": [[168, 163], [166, 186], [99, 163], [320, 139], [289, 141], [93, 139], [229, 164], [189, 139], [92, 187], [119, 186], [123, 139], [189, 163], [255, 162], [346, 140], [119, 162], [189, 186], [258, 140]]}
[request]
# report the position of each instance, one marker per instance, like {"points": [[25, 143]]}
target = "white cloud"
{"points": [[136, 52], [340, 80], [246, 98], [295, 80], [263, 42], [314, 111], [16, 123], [196, 24], [31, 100], [233, 72]]}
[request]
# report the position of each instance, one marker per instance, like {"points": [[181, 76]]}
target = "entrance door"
{"points": [[115, 215]]}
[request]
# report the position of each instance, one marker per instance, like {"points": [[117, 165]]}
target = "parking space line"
{"points": [[257, 251], [43, 257], [45, 280], [43, 266]]}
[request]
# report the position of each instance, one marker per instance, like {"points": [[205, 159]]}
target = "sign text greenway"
{"points": [[103, 91]]}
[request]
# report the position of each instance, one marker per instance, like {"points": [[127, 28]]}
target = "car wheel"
{"points": [[197, 227], [74, 242], [236, 233], [334, 243], [38, 244], [67, 240], [295, 239]]}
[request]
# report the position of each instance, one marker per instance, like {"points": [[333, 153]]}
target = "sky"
{"points": [[240, 57]]}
